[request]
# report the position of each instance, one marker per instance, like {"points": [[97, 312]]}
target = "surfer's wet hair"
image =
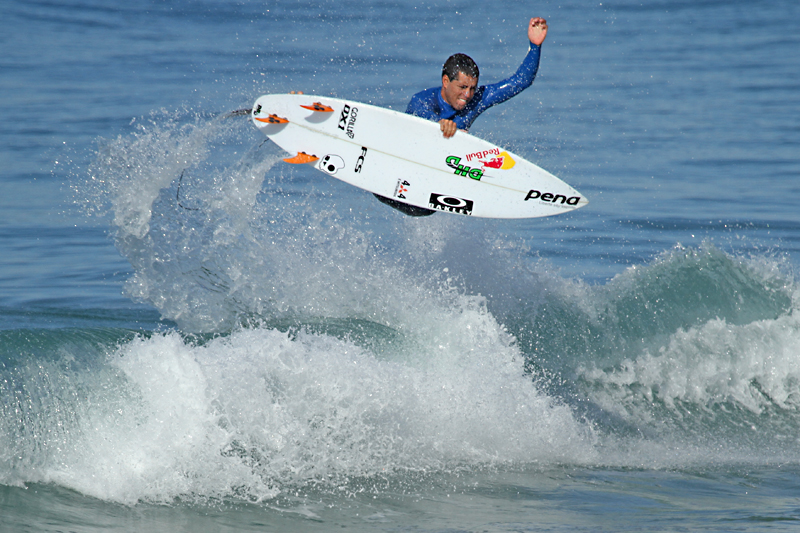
{"points": [[460, 63]]}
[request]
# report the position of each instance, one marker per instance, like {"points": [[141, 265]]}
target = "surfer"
{"points": [[460, 100]]}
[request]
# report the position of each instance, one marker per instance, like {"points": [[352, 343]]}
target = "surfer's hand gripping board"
{"points": [[407, 158]]}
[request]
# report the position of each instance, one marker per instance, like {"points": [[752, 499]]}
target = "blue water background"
{"points": [[255, 347]]}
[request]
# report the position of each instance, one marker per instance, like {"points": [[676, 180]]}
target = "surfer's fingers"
{"points": [[448, 127]]}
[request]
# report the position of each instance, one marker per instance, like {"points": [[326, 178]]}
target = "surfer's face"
{"points": [[458, 92]]}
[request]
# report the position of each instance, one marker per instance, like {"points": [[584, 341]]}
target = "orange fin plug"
{"points": [[317, 106], [301, 158], [273, 119]]}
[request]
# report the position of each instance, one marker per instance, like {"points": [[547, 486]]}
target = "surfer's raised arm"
{"points": [[459, 100]]}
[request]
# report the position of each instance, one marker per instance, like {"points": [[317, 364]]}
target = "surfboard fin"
{"points": [[273, 119], [317, 106], [301, 158]]}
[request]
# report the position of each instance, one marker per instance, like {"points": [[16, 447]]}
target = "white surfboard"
{"points": [[407, 159]]}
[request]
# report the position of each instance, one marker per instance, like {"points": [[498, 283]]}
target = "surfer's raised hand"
{"points": [[537, 30], [448, 127]]}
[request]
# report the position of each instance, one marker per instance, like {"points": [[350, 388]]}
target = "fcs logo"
{"points": [[451, 204], [331, 164], [360, 160]]}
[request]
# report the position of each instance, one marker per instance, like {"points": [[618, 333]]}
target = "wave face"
{"points": [[260, 411], [312, 347]]}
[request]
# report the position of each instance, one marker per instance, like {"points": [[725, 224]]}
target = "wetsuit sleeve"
{"points": [[522, 79], [423, 104]]}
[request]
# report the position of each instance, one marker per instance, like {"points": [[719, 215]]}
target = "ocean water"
{"points": [[198, 337]]}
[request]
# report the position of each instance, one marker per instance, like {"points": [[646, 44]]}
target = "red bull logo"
{"points": [[482, 155], [502, 162], [493, 158]]}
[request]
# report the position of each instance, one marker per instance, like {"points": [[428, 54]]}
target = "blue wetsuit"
{"points": [[429, 103]]}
